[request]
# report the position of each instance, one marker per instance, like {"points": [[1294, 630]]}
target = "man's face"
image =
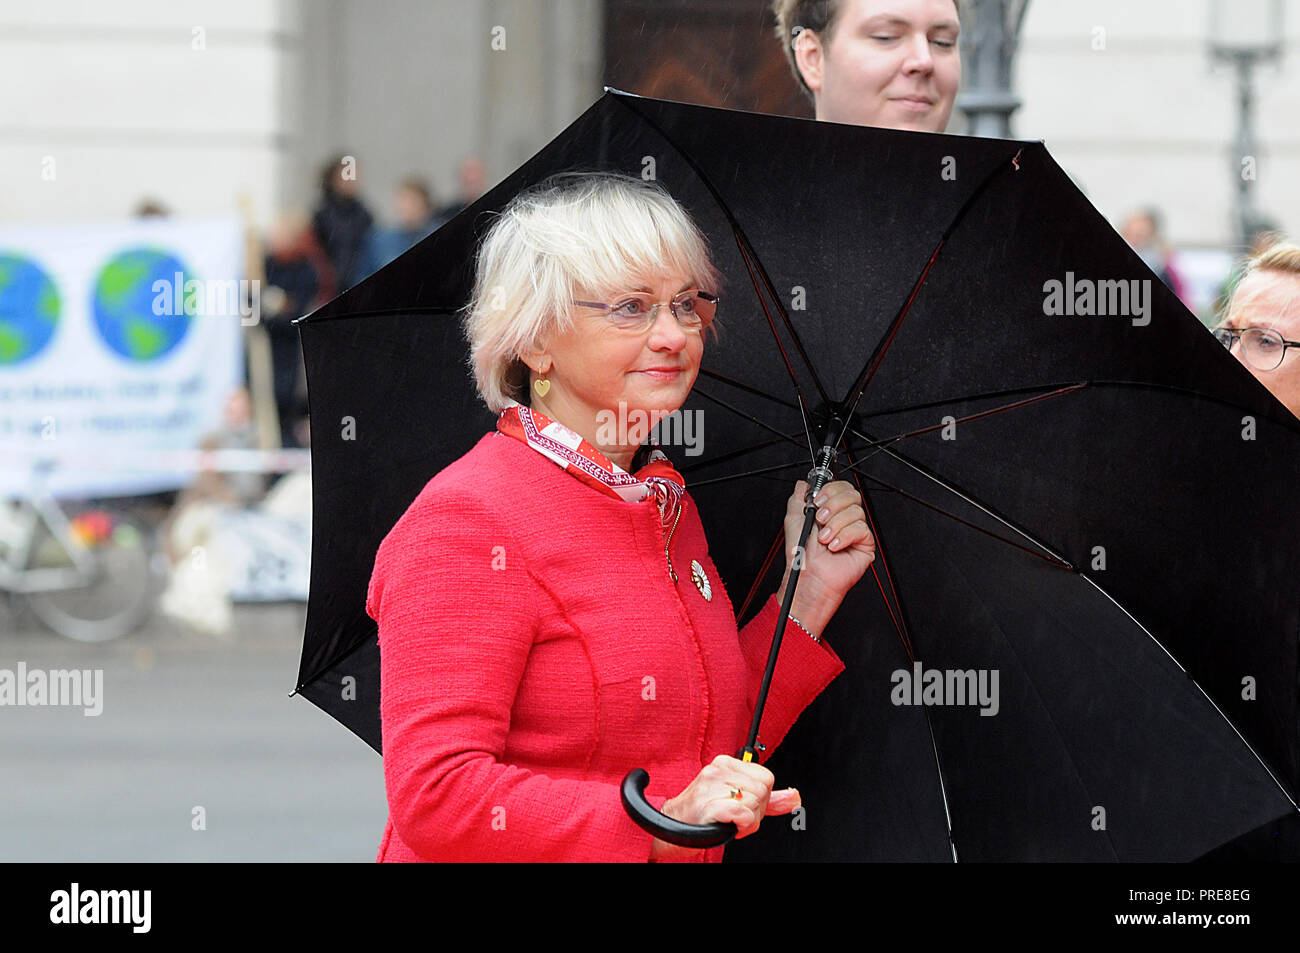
{"points": [[1271, 299], [889, 63]]}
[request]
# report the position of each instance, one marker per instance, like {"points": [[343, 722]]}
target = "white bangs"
{"points": [[602, 232]]}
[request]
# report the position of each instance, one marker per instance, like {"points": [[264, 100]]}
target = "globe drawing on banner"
{"points": [[29, 309], [139, 303]]}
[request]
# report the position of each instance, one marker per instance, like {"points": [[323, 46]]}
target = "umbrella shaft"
{"points": [[818, 477]]}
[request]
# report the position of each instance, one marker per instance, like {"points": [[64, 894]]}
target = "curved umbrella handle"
{"points": [[668, 828]]}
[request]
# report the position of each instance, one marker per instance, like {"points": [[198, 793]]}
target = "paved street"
{"points": [[188, 720]]}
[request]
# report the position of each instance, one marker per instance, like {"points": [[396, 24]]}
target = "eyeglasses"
{"points": [[638, 311], [1262, 348]]}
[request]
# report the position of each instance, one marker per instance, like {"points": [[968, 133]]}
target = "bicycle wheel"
{"points": [[122, 585]]}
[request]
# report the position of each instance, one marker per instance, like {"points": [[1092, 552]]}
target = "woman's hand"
{"points": [[840, 549], [709, 799]]}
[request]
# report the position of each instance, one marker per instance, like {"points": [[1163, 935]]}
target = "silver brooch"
{"points": [[701, 581]]}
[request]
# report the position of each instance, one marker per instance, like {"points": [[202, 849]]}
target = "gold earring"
{"points": [[542, 386]]}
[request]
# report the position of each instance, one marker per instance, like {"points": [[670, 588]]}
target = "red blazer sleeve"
{"points": [[454, 637], [803, 670]]}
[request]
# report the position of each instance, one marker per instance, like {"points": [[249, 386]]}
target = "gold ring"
{"points": [[736, 794]]}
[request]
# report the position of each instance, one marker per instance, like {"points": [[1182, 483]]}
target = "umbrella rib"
{"points": [[750, 417], [884, 596], [762, 572], [1288, 422], [731, 455], [1078, 775], [747, 250], [979, 506], [987, 395], [749, 473], [742, 240], [907, 645], [879, 445], [900, 623], [878, 355], [383, 312], [1069, 385], [812, 451], [716, 375], [953, 516], [335, 660], [1192, 679]]}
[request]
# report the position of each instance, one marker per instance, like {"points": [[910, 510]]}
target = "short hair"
{"points": [[1282, 256], [599, 230], [819, 16]]}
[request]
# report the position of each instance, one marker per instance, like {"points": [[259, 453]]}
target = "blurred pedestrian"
{"points": [[415, 219], [1142, 230], [471, 181], [342, 222], [197, 590], [888, 63], [230, 488], [293, 288], [1262, 325]]}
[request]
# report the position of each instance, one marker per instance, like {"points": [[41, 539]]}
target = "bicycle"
{"points": [[91, 575]]}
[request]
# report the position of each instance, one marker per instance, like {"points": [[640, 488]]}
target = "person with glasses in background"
{"points": [[1262, 324], [888, 63], [549, 617]]}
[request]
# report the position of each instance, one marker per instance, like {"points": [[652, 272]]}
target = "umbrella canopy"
{"points": [[1079, 638]]}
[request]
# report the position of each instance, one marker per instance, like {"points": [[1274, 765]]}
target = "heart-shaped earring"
{"points": [[541, 385]]}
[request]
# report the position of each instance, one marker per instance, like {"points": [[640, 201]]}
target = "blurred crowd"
{"points": [[230, 525], [311, 258], [306, 258]]}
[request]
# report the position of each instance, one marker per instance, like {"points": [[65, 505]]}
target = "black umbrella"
{"points": [[1084, 508]]}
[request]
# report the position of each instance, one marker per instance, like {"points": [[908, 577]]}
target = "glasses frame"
{"points": [[1235, 335], [653, 314]]}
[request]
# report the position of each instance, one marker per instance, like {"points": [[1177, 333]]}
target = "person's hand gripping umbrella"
{"points": [[844, 533]]}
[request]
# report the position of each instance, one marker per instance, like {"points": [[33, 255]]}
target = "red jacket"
{"points": [[534, 650]]}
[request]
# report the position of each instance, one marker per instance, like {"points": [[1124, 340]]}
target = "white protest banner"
{"points": [[116, 340]]}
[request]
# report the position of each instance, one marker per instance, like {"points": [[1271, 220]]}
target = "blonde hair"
{"points": [[1282, 258], [600, 230], [819, 16]]}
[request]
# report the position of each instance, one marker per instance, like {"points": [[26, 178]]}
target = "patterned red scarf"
{"points": [[558, 443]]}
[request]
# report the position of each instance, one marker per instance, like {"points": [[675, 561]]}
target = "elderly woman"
{"points": [[549, 617]]}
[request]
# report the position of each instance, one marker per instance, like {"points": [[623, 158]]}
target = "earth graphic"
{"points": [[135, 320], [29, 309]]}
